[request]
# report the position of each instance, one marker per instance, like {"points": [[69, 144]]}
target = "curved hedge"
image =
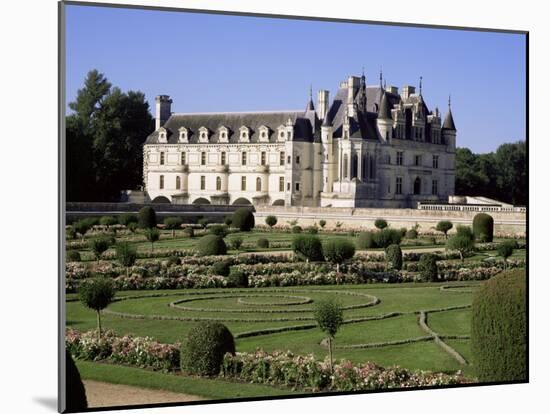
{"points": [[483, 227], [499, 328], [203, 351], [211, 245]]}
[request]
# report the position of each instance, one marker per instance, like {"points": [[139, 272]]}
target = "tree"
{"points": [[329, 316], [108, 221], [444, 226], [203, 222], [126, 218], [322, 223], [338, 251], [243, 219], [462, 243], [152, 235], [505, 250], [427, 265], [97, 294], [394, 257], [271, 221], [173, 223], [380, 224], [99, 246], [126, 254], [83, 226], [147, 217], [308, 247]]}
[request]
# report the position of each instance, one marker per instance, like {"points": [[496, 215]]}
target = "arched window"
{"points": [[161, 182], [218, 183], [178, 182], [345, 165], [417, 186], [258, 184]]}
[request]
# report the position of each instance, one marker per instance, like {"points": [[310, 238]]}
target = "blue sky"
{"points": [[210, 63]]}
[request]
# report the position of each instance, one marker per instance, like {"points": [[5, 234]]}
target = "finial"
{"points": [[362, 71], [384, 83], [380, 77], [310, 91], [449, 101], [420, 87]]}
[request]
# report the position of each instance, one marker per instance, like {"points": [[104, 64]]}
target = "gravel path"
{"points": [[102, 394]]}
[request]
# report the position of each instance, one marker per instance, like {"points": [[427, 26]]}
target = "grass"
{"points": [[202, 387]]}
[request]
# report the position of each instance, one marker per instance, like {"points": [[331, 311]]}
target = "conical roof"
{"points": [[384, 111], [449, 122]]}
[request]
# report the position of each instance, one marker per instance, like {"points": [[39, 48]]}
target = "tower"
{"points": [[163, 110], [384, 120]]}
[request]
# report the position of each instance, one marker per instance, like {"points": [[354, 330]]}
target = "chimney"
{"points": [[392, 89], [322, 103], [353, 86], [163, 110], [407, 91]]}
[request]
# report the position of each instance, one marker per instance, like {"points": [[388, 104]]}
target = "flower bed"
{"points": [[305, 373], [137, 351]]}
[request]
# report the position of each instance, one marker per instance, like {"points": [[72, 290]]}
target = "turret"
{"points": [[448, 129], [163, 110], [384, 120]]}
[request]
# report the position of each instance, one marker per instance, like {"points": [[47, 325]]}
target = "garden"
{"points": [[279, 308]]}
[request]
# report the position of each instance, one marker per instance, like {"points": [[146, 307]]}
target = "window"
{"points": [[398, 185], [162, 158], [399, 158], [161, 182], [223, 156], [345, 165], [435, 161], [434, 187], [243, 183], [203, 158], [243, 159], [282, 158], [281, 184], [203, 182], [297, 159], [282, 134], [418, 160], [178, 182], [218, 184], [183, 160], [288, 159], [258, 184], [297, 186], [388, 159], [263, 158], [287, 186]]}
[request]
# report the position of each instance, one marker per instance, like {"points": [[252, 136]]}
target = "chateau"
{"points": [[371, 146]]}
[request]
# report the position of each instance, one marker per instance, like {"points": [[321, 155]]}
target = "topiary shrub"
{"points": [[99, 246], [444, 226], [97, 294], [271, 221], [243, 219], [384, 238], [189, 232], [322, 223], [220, 268], [236, 242], [211, 245], [308, 247], [152, 235], [462, 241], [218, 230], [499, 328], [127, 218], [296, 229], [73, 256], [237, 278], [506, 249], [427, 267], [228, 220], [203, 222], [338, 251], [173, 223], [108, 221], [75, 392], [126, 255], [147, 218], [203, 350], [483, 226], [263, 243], [380, 224], [312, 230], [394, 257], [365, 240]]}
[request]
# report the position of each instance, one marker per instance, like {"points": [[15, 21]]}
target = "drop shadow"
{"points": [[48, 402]]}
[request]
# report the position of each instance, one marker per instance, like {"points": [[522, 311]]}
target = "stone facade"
{"points": [[370, 147]]}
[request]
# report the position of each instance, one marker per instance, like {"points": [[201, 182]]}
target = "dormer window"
{"points": [[163, 135], [264, 133], [281, 133], [203, 134], [183, 134], [244, 134], [223, 134]]}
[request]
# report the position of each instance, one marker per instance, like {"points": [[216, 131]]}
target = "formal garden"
{"points": [[244, 309]]}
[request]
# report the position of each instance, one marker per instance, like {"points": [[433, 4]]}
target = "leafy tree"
{"points": [[152, 235], [308, 247], [506, 249], [147, 218], [444, 226], [99, 246], [126, 254], [462, 243], [173, 223], [221, 268], [82, 227], [189, 231], [380, 224], [271, 221], [338, 251], [126, 218], [385, 237], [108, 221], [329, 316], [97, 294]]}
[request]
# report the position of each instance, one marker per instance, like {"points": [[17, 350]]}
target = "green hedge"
{"points": [[483, 226], [211, 245], [243, 219], [394, 257], [499, 328]]}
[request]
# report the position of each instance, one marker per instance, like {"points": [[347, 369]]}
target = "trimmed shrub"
{"points": [[465, 231], [97, 294], [338, 251], [411, 234], [126, 255], [271, 221], [322, 223], [211, 245], [220, 268], [147, 218], [73, 256], [365, 240], [312, 230], [506, 249], [394, 257], [243, 219], [173, 261], [263, 243], [236, 242], [308, 247], [329, 316], [237, 278], [108, 221], [427, 266], [132, 227], [296, 229], [99, 246], [218, 230], [483, 226], [380, 224], [173, 223], [127, 218], [82, 226], [384, 238], [444, 226], [462, 241], [228, 220], [499, 328], [75, 391], [189, 232], [153, 235], [203, 222], [204, 348]]}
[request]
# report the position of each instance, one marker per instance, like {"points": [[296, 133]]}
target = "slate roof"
{"points": [[449, 122]]}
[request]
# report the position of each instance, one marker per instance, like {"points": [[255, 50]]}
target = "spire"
{"points": [[310, 106], [449, 122], [420, 87], [362, 96], [381, 79], [384, 111]]}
